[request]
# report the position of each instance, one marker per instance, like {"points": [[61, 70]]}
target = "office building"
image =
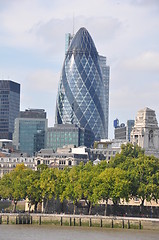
{"points": [[123, 131], [9, 107], [65, 134], [68, 39], [105, 74], [145, 132], [83, 93], [105, 149], [30, 131]]}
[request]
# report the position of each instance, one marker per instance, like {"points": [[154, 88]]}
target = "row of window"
{"points": [[16, 160], [105, 152], [13, 166]]}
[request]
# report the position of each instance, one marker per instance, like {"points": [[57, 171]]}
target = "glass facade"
{"points": [[68, 39], [65, 134], [9, 107], [105, 74], [81, 98], [30, 131]]}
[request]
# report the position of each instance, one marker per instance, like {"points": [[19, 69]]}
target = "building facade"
{"points": [[67, 156], [123, 131], [30, 131], [105, 74], [7, 164], [105, 149], [83, 87], [68, 39], [66, 134], [9, 107], [145, 132]]}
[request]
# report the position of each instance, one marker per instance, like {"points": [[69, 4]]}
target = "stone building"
{"points": [[8, 163], [67, 156], [145, 132]]}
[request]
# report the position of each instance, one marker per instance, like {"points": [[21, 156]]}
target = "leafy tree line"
{"points": [[129, 174]]}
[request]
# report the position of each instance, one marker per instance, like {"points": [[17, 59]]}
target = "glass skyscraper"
{"points": [[83, 93], [9, 107]]}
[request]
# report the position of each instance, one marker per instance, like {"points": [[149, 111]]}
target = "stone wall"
{"points": [[54, 206]]}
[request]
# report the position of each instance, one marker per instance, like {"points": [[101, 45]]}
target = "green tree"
{"points": [[112, 184], [127, 151], [142, 172], [13, 184], [34, 192], [87, 179], [73, 189], [48, 184]]}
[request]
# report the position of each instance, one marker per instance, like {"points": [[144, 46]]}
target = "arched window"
{"points": [[38, 162]]}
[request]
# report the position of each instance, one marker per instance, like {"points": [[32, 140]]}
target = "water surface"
{"points": [[32, 232]]}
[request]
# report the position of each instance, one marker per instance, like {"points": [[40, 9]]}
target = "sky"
{"points": [[32, 50]]}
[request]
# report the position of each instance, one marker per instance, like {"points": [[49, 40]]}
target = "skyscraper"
{"points": [[83, 93], [105, 74], [9, 107]]}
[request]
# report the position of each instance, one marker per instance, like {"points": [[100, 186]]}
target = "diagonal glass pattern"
{"points": [[81, 95]]}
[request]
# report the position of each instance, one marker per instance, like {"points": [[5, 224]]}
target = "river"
{"points": [[35, 232]]}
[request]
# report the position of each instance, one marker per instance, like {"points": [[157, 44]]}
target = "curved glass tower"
{"points": [[81, 98]]}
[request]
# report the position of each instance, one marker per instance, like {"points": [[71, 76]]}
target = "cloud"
{"points": [[32, 41], [147, 61], [145, 2], [43, 80], [39, 90]]}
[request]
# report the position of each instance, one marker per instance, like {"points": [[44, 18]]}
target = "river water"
{"points": [[25, 232]]}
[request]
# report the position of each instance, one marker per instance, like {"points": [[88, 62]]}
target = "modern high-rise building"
{"points": [[68, 39], [65, 134], [9, 107], [83, 93], [30, 131], [105, 74]]}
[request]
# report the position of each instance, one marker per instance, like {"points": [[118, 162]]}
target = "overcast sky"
{"points": [[32, 49]]}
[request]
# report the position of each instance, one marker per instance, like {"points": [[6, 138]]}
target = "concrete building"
{"points": [[67, 156], [145, 132], [83, 93], [65, 134], [30, 131], [9, 107], [105, 149], [123, 131]]}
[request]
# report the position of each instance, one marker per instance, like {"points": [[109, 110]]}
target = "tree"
{"points": [[146, 169], [87, 180], [34, 192], [73, 188], [48, 183], [142, 172], [127, 151], [112, 184], [14, 184]]}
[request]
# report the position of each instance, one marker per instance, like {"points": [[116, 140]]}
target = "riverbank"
{"points": [[80, 220]]}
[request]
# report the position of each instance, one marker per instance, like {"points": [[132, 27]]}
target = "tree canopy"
{"points": [[129, 174]]}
